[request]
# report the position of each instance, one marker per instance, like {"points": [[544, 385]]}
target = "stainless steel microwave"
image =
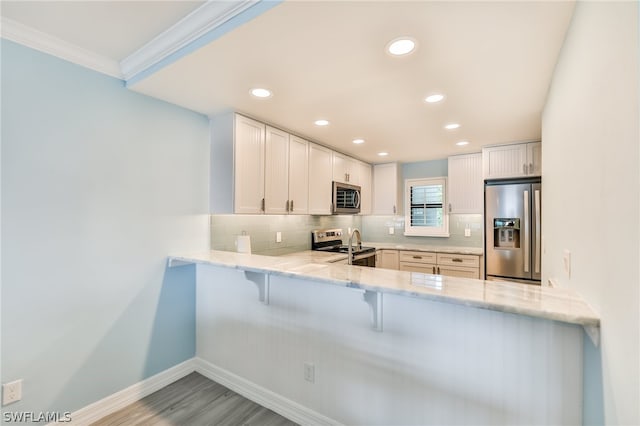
{"points": [[346, 198]]}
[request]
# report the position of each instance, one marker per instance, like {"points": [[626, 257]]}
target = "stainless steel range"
{"points": [[330, 240]]}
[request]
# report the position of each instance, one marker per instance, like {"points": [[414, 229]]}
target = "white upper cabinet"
{"points": [[345, 169], [364, 179], [465, 184], [534, 155], [298, 175], [320, 177], [276, 177], [387, 189], [508, 161], [249, 165], [286, 173], [257, 169]]}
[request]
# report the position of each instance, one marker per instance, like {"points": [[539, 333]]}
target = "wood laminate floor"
{"points": [[193, 401]]}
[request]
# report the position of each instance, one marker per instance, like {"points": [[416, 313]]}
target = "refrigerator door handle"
{"points": [[527, 243], [536, 200]]}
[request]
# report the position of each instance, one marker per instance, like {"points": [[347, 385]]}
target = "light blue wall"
{"points": [[376, 228], [425, 169], [99, 184]]}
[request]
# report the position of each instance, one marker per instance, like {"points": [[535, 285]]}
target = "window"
{"points": [[425, 201]]}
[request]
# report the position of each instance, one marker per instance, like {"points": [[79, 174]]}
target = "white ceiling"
{"points": [[326, 59], [113, 29]]}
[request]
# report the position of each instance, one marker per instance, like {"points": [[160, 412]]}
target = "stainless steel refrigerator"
{"points": [[512, 213]]}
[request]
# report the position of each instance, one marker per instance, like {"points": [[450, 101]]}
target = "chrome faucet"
{"points": [[350, 258]]}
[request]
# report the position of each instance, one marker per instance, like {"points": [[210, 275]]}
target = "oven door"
{"points": [[346, 198]]}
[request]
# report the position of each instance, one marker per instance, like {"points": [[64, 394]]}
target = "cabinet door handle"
{"points": [[286, 205], [433, 268], [449, 207], [530, 168], [438, 270], [262, 205], [524, 169], [394, 209], [456, 259], [417, 257]]}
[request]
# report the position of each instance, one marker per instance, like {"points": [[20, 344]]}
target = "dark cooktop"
{"points": [[345, 249]]}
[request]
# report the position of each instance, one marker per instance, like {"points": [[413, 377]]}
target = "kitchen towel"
{"points": [[243, 244]]}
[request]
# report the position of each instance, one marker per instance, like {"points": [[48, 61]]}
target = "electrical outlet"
{"points": [[309, 372], [12, 392], [278, 237], [467, 231], [391, 230]]}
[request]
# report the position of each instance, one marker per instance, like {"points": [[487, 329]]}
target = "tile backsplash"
{"points": [[376, 229], [296, 231]]}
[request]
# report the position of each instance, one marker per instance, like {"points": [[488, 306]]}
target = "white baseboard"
{"points": [[271, 400], [133, 393]]}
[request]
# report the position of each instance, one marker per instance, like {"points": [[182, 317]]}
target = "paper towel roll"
{"points": [[243, 244]]}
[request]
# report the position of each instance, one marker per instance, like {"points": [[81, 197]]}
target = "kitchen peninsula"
{"points": [[418, 342]]}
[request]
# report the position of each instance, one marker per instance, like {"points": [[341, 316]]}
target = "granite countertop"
{"points": [[542, 302], [478, 251]]}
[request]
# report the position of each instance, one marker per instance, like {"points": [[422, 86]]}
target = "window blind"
{"points": [[427, 205]]}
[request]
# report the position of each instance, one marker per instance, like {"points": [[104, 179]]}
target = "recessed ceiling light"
{"points": [[401, 46], [383, 154], [436, 97], [358, 141], [322, 122], [462, 143], [452, 126], [259, 92]]}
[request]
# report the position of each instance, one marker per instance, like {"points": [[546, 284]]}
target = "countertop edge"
{"points": [[289, 271], [475, 251]]}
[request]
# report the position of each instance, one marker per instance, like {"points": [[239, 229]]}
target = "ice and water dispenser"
{"points": [[506, 233]]}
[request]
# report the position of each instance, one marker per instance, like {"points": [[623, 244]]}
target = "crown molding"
{"points": [[198, 23], [30, 37]]}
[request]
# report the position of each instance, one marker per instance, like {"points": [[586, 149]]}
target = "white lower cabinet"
{"points": [[459, 265], [418, 261], [452, 265], [455, 271], [387, 259]]}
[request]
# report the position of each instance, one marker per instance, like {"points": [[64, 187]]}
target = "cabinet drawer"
{"points": [[459, 271], [425, 268], [417, 257], [467, 260]]}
